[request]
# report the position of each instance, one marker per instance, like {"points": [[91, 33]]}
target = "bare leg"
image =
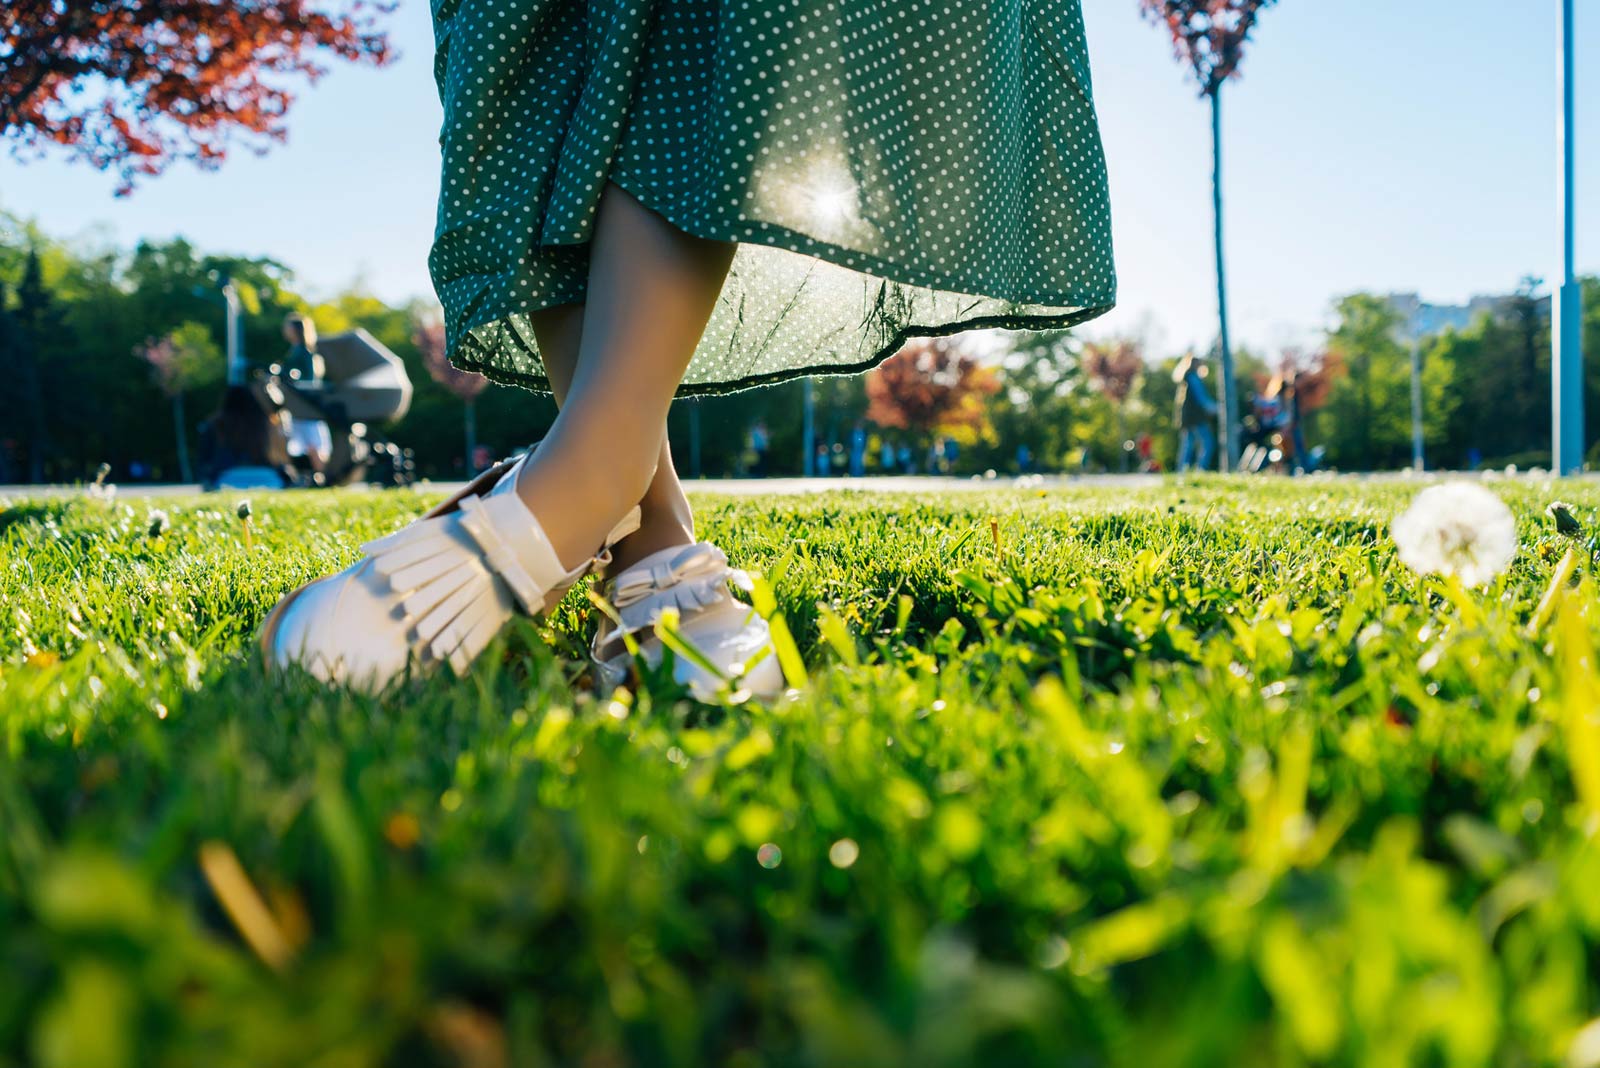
{"points": [[651, 290], [666, 519]]}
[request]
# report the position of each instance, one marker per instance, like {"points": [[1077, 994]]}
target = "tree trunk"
{"points": [[178, 422], [1229, 409], [471, 427], [808, 433], [694, 438]]}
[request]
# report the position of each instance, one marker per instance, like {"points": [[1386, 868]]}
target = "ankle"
{"points": [[575, 503], [658, 530]]}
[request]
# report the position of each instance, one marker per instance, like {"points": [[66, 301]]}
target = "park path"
{"points": [[743, 487], [750, 487]]}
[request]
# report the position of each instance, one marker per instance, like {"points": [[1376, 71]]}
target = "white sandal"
{"points": [[692, 580], [437, 591]]}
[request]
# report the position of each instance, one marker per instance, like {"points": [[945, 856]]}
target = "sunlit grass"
{"points": [[1194, 773]]}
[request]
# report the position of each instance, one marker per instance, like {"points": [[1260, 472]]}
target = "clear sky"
{"points": [[1371, 144]]}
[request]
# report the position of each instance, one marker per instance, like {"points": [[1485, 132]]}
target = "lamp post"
{"points": [[233, 331], [808, 433], [1228, 410], [1566, 318], [236, 368], [1416, 403]]}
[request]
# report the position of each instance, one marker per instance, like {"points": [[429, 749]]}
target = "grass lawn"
{"points": [[1188, 774]]}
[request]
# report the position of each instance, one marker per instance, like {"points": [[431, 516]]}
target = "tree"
{"points": [[1210, 35], [465, 385], [1036, 405], [932, 386], [133, 85], [10, 355], [1366, 420], [1112, 368], [183, 360], [42, 347]]}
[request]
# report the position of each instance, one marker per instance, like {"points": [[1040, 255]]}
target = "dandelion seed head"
{"points": [[1459, 529], [159, 524]]}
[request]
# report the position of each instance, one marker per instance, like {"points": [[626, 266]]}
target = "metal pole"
{"points": [[230, 297], [694, 437], [1416, 405], [809, 433], [1229, 409], [1566, 318]]}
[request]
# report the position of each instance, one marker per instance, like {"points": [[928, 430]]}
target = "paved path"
{"points": [[736, 486], [754, 486]]}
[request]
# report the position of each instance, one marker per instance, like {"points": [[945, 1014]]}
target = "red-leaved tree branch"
{"points": [[931, 385], [1208, 35], [134, 85], [1112, 368]]}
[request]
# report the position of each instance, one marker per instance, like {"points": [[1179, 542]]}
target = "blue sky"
{"points": [[1371, 144]]}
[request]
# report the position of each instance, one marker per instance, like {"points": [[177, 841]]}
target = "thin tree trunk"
{"points": [[1229, 409], [178, 423], [694, 438], [472, 436]]}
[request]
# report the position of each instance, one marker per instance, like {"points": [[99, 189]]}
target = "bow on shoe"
{"points": [[696, 578]]}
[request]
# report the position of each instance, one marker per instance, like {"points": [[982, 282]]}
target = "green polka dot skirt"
{"points": [[889, 168]]}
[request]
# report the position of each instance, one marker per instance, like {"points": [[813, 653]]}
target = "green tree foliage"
{"points": [[1485, 387], [1502, 369], [73, 314], [1361, 425]]}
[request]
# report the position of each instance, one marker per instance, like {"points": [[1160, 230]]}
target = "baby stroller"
{"points": [[246, 444]]}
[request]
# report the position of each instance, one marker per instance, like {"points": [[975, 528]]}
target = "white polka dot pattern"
{"points": [[891, 168]]}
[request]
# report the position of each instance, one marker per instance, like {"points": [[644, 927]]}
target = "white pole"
{"points": [[808, 433], [1416, 405], [1566, 318], [236, 376]]}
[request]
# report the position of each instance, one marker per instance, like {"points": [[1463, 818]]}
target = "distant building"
{"points": [[1419, 319]]}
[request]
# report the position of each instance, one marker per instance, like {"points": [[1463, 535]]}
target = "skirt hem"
{"points": [[1064, 321], [771, 235]]}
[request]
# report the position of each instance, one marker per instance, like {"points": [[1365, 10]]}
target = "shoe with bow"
{"points": [[693, 581]]}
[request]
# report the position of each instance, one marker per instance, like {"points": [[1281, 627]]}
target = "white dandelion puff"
{"points": [[1456, 528]]}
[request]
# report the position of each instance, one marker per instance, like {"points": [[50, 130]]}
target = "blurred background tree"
{"points": [[40, 365], [71, 312], [464, 385], [1113, 367], [1209, 36], [133, 85], [183, 360], [933, 386]]}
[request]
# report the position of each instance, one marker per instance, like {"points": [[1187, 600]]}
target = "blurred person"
{"points": [[760, 441], [1300, 462], [310, 439], [1024, 459], [1196, 415]]}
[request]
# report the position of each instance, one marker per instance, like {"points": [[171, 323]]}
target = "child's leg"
{"points": [[651, 289], [666, 519]]}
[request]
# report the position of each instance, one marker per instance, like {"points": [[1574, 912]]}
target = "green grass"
{"points": [[1184, 774]]}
